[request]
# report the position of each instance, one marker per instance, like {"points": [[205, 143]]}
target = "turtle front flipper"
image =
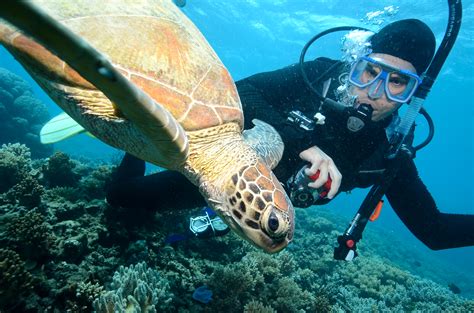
{"points": [[266, 141], [154, 121]]}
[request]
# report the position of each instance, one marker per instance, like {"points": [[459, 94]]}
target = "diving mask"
{"points": [[399, 85], [208, 225]]}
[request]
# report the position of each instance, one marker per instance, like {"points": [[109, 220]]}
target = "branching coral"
{"points": [[17, 176], [15, 162], [30, 235], [135, 289], [262, 277], [59, 171], [27, 192], [15, 281], [257, 307], [85, 294], [95, 184]]}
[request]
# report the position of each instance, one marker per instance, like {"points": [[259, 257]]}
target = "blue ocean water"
{"points": [[252, 36]]}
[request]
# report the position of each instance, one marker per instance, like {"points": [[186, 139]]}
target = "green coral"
{"points": [[135, 289]]}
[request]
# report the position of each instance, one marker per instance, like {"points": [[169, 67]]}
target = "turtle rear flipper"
{"points": [[151, 118], [266, 141], [60, 128]]}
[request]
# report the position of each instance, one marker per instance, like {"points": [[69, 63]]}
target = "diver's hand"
{"points": [[322, 162]]}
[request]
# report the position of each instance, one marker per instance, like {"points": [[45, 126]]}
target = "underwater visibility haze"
{"points": [[64, 249]]}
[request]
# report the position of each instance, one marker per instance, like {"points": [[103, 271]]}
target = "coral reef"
{"points": [[58, 171], [30, 236], [15, 162], [21, 114], [135, 289], [26, 193], [257, 307], [75, 253], [94, 185], [18, 178], [15, 280]]}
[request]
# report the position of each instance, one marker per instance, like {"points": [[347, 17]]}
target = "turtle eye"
{"points": [[275, 223]]}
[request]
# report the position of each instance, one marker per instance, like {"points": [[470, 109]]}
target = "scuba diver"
{"points": [[341, 149]]}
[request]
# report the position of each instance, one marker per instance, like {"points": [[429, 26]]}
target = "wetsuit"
{"points": [[270, 97]]}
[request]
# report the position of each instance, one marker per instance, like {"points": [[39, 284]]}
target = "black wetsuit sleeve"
{"points": [[417, 209], [166, 190], [270, 96]]}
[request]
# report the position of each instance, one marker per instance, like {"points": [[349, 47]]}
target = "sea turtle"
{"points": [[188, 116]]}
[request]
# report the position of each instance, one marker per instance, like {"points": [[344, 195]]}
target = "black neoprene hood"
{"points": [[410, 40]]}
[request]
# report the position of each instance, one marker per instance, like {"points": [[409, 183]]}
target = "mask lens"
{"points": [[364, 73], [199, 224], [399, 85]]}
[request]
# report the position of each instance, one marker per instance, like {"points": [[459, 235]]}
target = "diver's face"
{"points": [[382, 106]]}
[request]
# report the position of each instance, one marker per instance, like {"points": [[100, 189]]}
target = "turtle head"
{"points": [[258, 209]]}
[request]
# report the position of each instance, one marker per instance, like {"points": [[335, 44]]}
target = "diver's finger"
{"points": [[336, 177], [313, 169], [312, 156]]}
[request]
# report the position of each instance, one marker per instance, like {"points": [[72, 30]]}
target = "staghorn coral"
{"points": [[21, 114], [135, 289], [257, 307], [85, 293], [15, 282]]}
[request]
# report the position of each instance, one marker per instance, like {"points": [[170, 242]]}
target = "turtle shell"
{"points": [[155, 46]]}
